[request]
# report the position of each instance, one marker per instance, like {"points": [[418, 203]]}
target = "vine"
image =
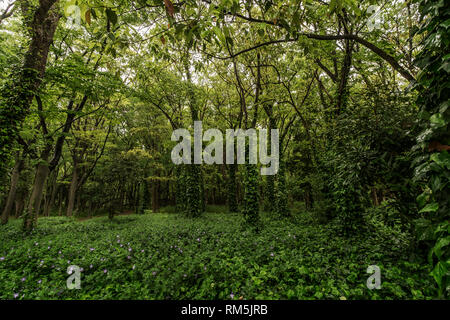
{"points": [[433, 164]]}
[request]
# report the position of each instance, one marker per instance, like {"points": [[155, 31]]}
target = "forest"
{"points": [[123, 176]]}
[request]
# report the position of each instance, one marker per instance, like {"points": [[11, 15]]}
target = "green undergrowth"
{"points": [[169, 256]]}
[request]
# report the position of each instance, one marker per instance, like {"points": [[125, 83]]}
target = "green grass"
{"points": [[168, 256]]}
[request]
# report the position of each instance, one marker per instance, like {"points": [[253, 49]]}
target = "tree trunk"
{"points": [[78, 205], [91, 209], [375, 197], [72, 190], [309, 201], [12, 191], [36, 196], [20, 205], [181, 189], [145, 197], [155, 197], [271, 194], [60, 201], [342, 93], [20, 92], [195, 200], [50, 200], [232, 190]]}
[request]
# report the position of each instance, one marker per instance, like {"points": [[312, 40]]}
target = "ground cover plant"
{"points": [[168, 256]]}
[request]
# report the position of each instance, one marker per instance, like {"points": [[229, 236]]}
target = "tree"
{"points": [[18, 95]]}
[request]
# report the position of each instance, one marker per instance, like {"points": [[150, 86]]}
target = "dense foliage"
{"points": [[168, 256], [92, 91], [432, 169]]}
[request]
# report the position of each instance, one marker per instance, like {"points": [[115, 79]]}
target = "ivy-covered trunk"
{"points": [[270, 202], [251, 194], [19, 94], [251, 184], [342, 94], [13, 189], [195, 203], [271, 196], [193, 191]]}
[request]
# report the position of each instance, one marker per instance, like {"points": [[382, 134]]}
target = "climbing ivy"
{"points": [[193, 191], [231, 194], [433, 164]]}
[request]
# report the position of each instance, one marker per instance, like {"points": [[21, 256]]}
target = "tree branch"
{"points": [[380, 52], [8, 12], [327, 71]]}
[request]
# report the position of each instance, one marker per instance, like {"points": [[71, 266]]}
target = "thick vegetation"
{"points": [[91, 92], [169, 256]]}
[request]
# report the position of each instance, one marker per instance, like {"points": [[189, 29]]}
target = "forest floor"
{"points": [[169, 256]]}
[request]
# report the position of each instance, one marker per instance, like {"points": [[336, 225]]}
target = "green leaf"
{"points": [[94, 13], [445, 24], [436, 184], [445, 66], [431, 207], [111, 15], [444, 106], [438, 273], [437, 120], [442, 158], [422, 199], [437, 249]]}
